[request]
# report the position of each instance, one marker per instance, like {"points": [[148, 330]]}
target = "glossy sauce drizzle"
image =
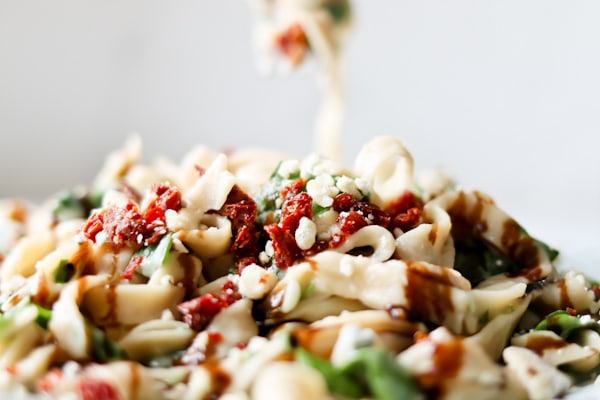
{"points": [[428, 294]]}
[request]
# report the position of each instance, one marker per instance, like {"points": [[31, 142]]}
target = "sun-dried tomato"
{"points": [[286, 251], [293, 209], [372, 214], [596, 291], [47, 382], [163, 198], [198, 312], [242, 210], [292, 188], [245, 247], [122, 225], [293, 43], [319, 246], [239, 207], [93, 225], [407, 220], [127, 226], [229, 293], [571, 311], [93, 389], [354, 215], [348, 223], [406, 201], [405, 211], [133, 265]]}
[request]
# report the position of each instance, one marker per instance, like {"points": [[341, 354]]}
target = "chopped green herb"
{"points": [[308, 290], [338, 9], [43, 316], [318, 210], [102, 348], [64, 272], [7, 319], [68, 206], [476, 261], [76, 204]]}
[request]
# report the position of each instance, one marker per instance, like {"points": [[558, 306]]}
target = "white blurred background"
{"points": [[504, 95]]}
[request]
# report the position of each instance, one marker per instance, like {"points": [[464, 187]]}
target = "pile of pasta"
{"points": [[253, 275]]}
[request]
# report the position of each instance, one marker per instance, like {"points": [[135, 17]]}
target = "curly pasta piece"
{"points": [[376, 237], [68, 325], [388, 166], [430, 241], [473, 213], [26, 253], [130, 304]]}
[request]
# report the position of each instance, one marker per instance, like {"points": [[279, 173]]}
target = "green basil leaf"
{"points": [[337, 381]]}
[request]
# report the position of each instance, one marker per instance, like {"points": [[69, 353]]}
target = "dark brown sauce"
{"points": [[220, 380], [447, 360], [18, 213], [111, 300], [82, 260], [42, 295], [467, 223], [540, 343], [135, 380], [564, 301], [520, 248], [428, 294], [514, 243], [187, 263], [308, 338], [433, 233]]}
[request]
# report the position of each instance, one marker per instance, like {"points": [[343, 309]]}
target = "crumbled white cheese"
{"points": [[348, 185], [288, 168], [322, 189], [350, 338], [325, 223], [306, 233]]}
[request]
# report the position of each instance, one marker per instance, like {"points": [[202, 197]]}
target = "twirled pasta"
{"points": [[216, 277]]}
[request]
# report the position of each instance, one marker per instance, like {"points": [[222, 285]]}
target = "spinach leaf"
{"points": [[371, 372], [102, 348], [154, 256], [564, 324], [64, 272], [337, 381]]}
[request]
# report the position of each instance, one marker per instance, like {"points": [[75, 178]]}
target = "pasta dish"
{"points": [[252, 275]]}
